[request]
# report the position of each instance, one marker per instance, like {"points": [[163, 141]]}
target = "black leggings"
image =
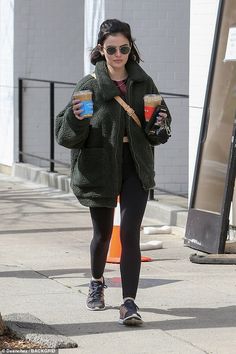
{"points": [[133, 200]]}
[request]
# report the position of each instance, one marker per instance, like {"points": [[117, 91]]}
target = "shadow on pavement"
{"points": [[48, 273], [197, 318], [144, 283], [39, 231]]}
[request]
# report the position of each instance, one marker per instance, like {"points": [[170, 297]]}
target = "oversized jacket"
{"points": [[96, 143]]}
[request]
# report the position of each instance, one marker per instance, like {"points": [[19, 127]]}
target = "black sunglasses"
{"points": [[125, 49]]}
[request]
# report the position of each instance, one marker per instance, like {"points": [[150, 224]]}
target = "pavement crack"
{"points": [[57, 281], [52, 279], [187, 342]]}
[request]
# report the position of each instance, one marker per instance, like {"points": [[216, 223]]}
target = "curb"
{"points": [[168, 214], [173, 215], [41, 176], [29, 327]]}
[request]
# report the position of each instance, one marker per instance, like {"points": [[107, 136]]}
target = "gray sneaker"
{"points": [[129, 315], [95, 300]]}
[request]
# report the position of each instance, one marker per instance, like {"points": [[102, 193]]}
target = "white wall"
{"points": [[49, 43], [202, 27], [161, 29], [6, 81], [93, 16]]}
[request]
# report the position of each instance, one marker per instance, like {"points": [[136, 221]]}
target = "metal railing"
{"points": [[51, 159], [51, 87]]}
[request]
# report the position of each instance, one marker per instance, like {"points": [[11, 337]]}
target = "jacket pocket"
{"points": [[89, 171]]}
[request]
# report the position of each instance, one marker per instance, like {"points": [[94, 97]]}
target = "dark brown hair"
{"points": [[109, 28]]}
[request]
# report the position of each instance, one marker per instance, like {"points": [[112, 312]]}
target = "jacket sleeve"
{"points": [[71, 132], [153, 139]]}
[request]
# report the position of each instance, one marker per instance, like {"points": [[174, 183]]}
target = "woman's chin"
{"points": [[118, 64]]}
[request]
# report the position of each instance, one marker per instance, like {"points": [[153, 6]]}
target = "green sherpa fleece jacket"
{"points": [[97, 143]]}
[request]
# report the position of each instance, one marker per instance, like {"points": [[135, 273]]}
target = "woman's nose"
{"points": [[118, 53]]}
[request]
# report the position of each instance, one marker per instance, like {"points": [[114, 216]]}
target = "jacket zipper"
{"points": [[131, 141], [116, 192]]}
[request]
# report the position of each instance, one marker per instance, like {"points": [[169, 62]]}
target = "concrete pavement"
{"points": [[45, 270], [171, 209]]}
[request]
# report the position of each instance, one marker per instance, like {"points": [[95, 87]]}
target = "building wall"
{"points": [[48, 44], [161, 29], [6, 82]]}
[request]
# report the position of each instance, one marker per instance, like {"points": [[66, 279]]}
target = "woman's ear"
{"points": [[100, 49]]}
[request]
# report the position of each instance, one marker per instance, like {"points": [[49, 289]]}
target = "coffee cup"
{"points": [[85, 96], [151, 102]]}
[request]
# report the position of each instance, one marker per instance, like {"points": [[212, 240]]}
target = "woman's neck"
{"points": [[117, 75]]}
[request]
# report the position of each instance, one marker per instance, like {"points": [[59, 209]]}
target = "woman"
{"points": [[111, 156]]}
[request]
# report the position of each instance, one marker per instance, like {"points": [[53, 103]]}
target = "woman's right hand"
{"points": [[76, 107]]}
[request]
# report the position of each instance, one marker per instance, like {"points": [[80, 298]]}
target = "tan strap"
{"points": [[128, 109]]}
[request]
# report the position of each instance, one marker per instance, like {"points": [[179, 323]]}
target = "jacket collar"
{"points": [[107, 87]]}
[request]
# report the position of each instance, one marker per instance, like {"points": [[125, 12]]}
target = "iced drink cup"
{"points": [[151, 102], [85, 97]]}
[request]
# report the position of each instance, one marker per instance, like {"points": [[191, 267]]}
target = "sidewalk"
{"points": [[44, 271], [171, 209]]}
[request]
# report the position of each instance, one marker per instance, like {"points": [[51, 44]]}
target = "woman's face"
{"points": [[118, 43]]}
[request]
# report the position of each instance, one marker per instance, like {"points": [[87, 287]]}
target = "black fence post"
{"points": [[151, 191], [20, 115], [151, 194], [52, 108]]}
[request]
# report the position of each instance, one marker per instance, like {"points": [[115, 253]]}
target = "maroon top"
{"points": [[121, 84]]}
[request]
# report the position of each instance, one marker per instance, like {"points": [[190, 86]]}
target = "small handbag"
{"points": [[162, 131]]}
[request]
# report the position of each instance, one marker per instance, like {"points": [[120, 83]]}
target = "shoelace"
{"points": [[97, 290], [130, 305]]}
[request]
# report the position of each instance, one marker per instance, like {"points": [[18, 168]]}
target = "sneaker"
{"points": [[95, 299], [129, 315]]}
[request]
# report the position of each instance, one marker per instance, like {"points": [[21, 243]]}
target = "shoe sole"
{"points": [[131, 321], [96, 308]]}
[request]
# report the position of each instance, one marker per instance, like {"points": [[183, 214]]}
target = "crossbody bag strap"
{"points": [[128, 109]]}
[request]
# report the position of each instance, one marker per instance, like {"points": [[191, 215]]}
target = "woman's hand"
{"points": [[76, 107]]}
